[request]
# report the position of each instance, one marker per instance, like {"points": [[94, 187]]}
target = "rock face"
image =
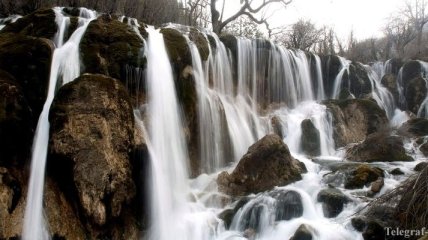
{"points": [[357, 81], [15, 122], [109, 46], [310, 138], [92, 126], [416, 127], [333, 200], [267, 164], [28, 59], [354, 119], [378, 147]]}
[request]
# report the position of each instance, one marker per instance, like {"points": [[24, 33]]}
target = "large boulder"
{"points": [[16, 130], [112, 48], [310, 138], [268, 163], [303, 232], [357, 80], [417, 127], [415, 92], [331, 66], [332, 200], [92, 135], [354, 119], [40, 23], [378, 147], [28, 59]]}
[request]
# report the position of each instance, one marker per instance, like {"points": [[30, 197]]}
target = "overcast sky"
{"points": [[366, 17]]}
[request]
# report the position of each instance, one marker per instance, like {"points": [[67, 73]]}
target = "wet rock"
{"points": [[345, 94], [374, 221], [410, 70], [310, 138], [112, 48], [28, 60], [40, 23], [250, 234], [333, 201], [377, 185], [352, 175], [396, 171], [358, 223], [304, 232], [92, 134], [16, 130], [201, 43], [390, 82], [288, 204], [378, 147], [358, 81], [277, 126], [416, 127], [228, 214], [330, 68], [415, 93], [268, 163], [424, 149], [420, 166], [354, 119], [362, 176]]}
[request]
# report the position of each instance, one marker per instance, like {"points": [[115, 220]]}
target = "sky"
{"points": [[365, 17]]}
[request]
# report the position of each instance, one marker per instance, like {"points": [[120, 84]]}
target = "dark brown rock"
{"points": [[415, 92], [417, 127], [268, 163], [16, 130], [304, 232], [28, 60], [354, 119], [311, 144], [377, 185], [92, 134], [420, 166], [333, 201], [378, 147], [390, 82], [362, 176]]}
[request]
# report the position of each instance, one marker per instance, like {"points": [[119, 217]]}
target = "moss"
{"points": [[363, 175], [108, 46], [176, 45], [41, 23], [212, 42], [201, 42]]}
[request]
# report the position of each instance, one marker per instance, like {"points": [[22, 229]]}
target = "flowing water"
{"points": [[65, 68]]}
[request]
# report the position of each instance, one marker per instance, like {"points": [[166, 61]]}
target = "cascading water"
{"points": [[65, 67], [381, 95], [338, 80], [423, 109]]}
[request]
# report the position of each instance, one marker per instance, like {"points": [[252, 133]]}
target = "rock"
{"points": [[333, 201], [390, 82], [181, 60], [28, 60], [420, 166], [396, 171], [352, 175], [358, 223], [393, 66], [410, 70], [112, 48], [288, 204], [378, 147], [277, 128], [424, 149], [345, 94], [362, 176], [354, 119], [415, 93], [250, 234], [331, 66], [304, 232], [310, 138], [268, 163], [40, 23], [374, 221], [16, 130], [377, 185], [92, 133], [228, 214], [201, 43], [358, 82], [416, 127]]}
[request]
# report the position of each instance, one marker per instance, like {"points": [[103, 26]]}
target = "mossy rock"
{"points": [[330, 65], [28, 60], [40, 23], [311, 144], [109, 46], [415, 127], [16, 130], [410, 70], [358, 79], [362, 176], [201, 43], [415, 93], [176, 46], [390, 82]]}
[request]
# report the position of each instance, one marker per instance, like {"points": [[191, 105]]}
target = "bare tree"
{"points": [[416, 13], [196, 13], [400, 32], [303, 35], [244, 27], [246, 8]]}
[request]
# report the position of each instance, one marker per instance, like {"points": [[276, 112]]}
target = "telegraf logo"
{"points": [[406, 233]]}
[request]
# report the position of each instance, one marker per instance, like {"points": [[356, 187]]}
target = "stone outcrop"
{"points": [[354, 119], [268, 163], [378, 147], [92, 128]]}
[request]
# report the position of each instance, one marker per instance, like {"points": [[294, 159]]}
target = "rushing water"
{"points": [[65, 68]]}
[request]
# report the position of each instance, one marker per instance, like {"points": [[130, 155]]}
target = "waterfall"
{"points": [[423, 109], [65, 68], [169, 158], [381, 95], [339, 78]]}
